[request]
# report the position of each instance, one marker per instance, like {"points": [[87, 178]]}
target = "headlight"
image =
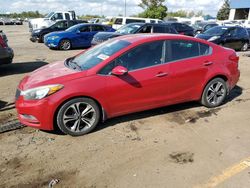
{"points": [[37, 31], [40, 92], [214, 38], [54, 37]]}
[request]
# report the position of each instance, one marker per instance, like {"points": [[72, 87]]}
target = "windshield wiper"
{"points": [[73, 64]]}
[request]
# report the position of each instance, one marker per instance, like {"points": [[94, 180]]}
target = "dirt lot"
{"points": [[184, 145]]}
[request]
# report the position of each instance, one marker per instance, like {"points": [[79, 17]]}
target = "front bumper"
{"points": [[41, 111], [51, 43], [34, 38]]}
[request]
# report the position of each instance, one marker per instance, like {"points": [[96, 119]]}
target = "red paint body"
{"points": [[138, 90]]}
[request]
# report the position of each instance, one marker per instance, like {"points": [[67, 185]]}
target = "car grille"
{"points": [[18, 92]]}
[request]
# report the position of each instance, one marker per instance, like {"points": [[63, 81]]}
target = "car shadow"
{"points": [[20, 68], [236, 92]]}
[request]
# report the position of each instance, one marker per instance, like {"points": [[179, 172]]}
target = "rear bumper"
{"points": [[6, 55]]}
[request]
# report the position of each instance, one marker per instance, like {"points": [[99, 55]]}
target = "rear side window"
{"points": [[241, 32], [67, 16], [204, 49], [97, 28], [146, 29], [134, 20], [118, 21], [152, 21], [159, 29], [182, 49]]}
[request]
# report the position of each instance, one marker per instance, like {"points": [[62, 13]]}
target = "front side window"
{"points": [[57, 16], [84, 29], [59, 25], [118, 21], [138, 57]]}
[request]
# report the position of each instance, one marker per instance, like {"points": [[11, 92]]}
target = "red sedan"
{"points": [[125, 75]]}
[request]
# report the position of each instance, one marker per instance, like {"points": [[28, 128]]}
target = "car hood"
{"points": [[54, 73], [58, 33], [106, 35]]}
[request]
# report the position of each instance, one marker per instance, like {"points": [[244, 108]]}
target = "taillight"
{"points": [[234, 57], [2, 43]]}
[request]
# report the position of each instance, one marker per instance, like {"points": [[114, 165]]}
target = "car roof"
{"points": [[137, 38]]}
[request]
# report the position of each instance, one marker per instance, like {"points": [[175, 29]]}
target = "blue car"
{"points": [[78, 36]]}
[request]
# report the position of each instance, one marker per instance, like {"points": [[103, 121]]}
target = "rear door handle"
{"points": [[208, 63], [161, 74]]}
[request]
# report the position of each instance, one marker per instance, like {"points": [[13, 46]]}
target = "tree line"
{"points": [[151, 9]]}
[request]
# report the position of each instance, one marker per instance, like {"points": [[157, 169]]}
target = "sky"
{"points": [[105, 7]]}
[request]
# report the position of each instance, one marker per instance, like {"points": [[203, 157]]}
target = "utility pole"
{"points": [[125, 7]]}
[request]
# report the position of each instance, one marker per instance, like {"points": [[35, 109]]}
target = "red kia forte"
{"points": [[125, 75]]}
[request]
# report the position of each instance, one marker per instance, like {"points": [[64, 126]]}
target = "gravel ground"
{"points": [[184, 145]]}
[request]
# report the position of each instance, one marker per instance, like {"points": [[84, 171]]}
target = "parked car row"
{"points": [[234, 37], [67, 34], [8, 21], [6, 53]]}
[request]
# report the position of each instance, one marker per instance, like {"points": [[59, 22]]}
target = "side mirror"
{"points": [[78, 32], [119, 71]]}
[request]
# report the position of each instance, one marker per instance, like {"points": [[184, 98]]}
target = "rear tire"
{"points": [[214, 93], [78, 116], [65, 44], [244, 47]]}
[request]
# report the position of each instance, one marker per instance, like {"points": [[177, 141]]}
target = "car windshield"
{"points": [[73, 28], [129, 29], [49, 15], [216, 31], [99, 53]]}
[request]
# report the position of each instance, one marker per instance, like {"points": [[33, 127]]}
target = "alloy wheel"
{"points": [[65, 45], [216, 93], [79, 117]]}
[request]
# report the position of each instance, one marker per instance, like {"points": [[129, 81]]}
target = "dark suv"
{"points": [[6, 53], [182, 28], [133, 28], [234, 37], [38, 34]]}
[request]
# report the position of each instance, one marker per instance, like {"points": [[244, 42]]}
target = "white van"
{"points": [[120, 21]]}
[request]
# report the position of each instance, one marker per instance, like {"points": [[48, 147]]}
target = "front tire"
{"points": [[78, 116], [65, 44], [214, 93]]}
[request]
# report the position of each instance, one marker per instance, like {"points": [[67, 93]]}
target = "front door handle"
{"points": [[161, 74], [208, 63]]}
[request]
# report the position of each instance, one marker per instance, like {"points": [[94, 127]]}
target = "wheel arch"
{"points": [[222, 76], [102, 110]]}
